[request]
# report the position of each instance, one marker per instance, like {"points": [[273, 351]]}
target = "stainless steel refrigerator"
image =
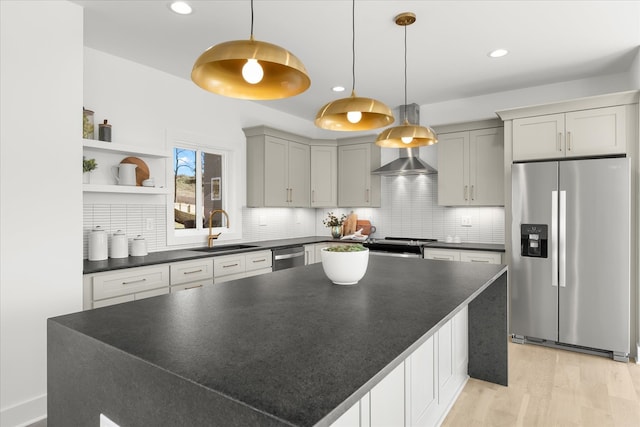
{"points": [[570, 262]]}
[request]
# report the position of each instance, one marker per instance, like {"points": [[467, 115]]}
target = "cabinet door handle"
{"points": [[291, 195], [559, 141], [194, 271], [366, 195], [313, 196], [230, 265], [134, 281], [569, 141], [466, 192], [473, 197], [259, 260], [193, 287], [480, 260], [441, 258]]}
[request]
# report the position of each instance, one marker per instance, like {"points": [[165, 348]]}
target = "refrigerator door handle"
{"points": [[554, 239], [562, 240]]}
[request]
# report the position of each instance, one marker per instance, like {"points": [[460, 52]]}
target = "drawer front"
{"points": [[191, 271], [192, 285], [258, 260], [229, 264], [442, 254], [130, 281], [485, 257]]}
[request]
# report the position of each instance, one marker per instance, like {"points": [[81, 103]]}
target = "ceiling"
{"points": [[549, 42]]}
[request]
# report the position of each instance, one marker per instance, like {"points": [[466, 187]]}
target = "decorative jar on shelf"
{"points": [[336, 231]]}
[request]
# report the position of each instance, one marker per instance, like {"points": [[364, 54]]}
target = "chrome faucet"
{"points": [[212, 236]]}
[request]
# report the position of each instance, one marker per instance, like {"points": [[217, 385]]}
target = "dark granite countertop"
{"points": [[468, 246], [290, 344], [186, 254]]}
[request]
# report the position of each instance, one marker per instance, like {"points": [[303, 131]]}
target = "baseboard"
{"points": [[25, 413]]}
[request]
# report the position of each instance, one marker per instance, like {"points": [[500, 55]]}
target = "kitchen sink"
{"points": [[223, 248]]}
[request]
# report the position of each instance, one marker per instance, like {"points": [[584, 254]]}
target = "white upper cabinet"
{"points": [[470, 167], [277, 170], [324, 176], [357, 187], [595, 126], [593, 132]]}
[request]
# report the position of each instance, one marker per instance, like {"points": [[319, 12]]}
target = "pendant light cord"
{"points": [[251, 19], [405, 73], [353, 46]]}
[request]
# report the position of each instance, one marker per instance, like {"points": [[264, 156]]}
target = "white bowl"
{"points": [[345, 268]]}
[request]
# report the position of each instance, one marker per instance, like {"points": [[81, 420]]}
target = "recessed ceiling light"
{"points": [[181, 7], [338, 88], [498, 53]]}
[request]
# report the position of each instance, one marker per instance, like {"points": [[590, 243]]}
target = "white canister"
{"points": [[98, 244], [138, 246], [119, 245]]}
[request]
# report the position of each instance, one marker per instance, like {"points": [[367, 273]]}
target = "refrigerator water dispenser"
{"points": [[533, 240]]}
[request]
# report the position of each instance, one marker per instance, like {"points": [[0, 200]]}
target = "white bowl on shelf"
{"points": [[344, 268]]}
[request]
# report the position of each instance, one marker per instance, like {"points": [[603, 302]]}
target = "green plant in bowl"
{"points": [[346, 248]]}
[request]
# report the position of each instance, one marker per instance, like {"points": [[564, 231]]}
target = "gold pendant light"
{"points": [[250, 69], [354, 113], [406, 135]]}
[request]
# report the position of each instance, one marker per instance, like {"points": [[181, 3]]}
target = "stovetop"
{"points": [[398, 244]]}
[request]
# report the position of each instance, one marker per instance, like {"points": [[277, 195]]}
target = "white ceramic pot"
{"points": [[98, 244], [124, 173], [139, 246], [119, 245], [344, 268]]}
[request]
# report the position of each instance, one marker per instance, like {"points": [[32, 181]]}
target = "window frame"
{"points": [[230, 186]]}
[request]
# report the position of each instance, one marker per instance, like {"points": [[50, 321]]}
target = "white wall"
{"points": [[41, 220]]}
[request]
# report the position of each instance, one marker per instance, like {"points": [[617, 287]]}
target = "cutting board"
{"points": [[142, 171], [365, 225], [349, 225]]}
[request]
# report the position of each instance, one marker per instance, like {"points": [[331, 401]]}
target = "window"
{"points": [[201, 180], [197, 188]]}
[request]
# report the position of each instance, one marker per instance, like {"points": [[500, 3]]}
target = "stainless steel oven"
{"points": [[404, 247]]}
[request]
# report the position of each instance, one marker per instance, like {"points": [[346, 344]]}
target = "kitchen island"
{"points": [[285, 349]]}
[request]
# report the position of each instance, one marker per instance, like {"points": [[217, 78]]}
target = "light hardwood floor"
{"points": [[549, 387]]}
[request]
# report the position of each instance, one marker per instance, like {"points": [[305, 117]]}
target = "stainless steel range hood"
{"points": [[406, 164], [409, 163]]}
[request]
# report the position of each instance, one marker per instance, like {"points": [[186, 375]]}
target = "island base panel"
{"points": [[86, 377], [488, 335]]}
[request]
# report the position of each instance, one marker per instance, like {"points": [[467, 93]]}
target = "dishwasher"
{"points": [[290, 257]]}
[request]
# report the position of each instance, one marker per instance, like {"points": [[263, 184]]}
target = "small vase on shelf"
{"points": [[336, 231], [86, 177]]}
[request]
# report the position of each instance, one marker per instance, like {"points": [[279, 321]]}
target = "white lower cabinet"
{"points": [[422, 389], [238, 266], [387, 400], [191, 274], [115, 287], [309, 254], [463, 255]]}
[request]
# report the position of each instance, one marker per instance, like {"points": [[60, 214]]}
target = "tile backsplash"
{"points": [[410, 209]]}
